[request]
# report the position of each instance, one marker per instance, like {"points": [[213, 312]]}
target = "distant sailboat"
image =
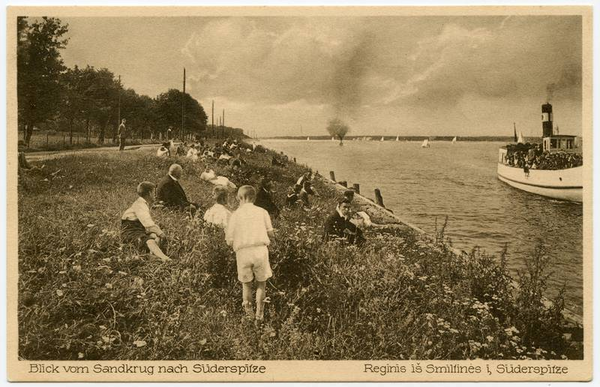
{"points": [[382, 139], [332, 138], [520, 140], [397, 138], [307, 138], [425, 144], [454, 140]]}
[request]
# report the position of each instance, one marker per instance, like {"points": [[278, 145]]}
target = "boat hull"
{"points": [[563, 184]]}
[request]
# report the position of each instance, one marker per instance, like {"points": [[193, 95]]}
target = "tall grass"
{"points": [[84, 296]]}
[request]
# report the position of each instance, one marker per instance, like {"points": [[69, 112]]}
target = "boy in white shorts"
{"points": [[248, 233]]}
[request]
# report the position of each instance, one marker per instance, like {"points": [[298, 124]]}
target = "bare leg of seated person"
{"points": [[155, 249]]}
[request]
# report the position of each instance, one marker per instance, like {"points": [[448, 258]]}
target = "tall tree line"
{"points": [[86, 100]]}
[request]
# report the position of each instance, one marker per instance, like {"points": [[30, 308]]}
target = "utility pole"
{"points": [[119, 108], [212, 117], [223, 122], [183, 108]]}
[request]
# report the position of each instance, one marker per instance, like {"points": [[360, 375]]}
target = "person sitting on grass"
{"points": [[248, 233], [137, 226], [192, 153], [170, 192], [210, 176], [292, 197], [349, 194], [264, 198], [339, 226], [164, 150], [181, 149], [218, 214]]}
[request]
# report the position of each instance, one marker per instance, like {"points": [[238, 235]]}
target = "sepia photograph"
{"points": [[303, 193]]}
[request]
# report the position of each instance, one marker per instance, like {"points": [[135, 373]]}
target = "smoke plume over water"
{"points": [[568, 85], [345, 90]]}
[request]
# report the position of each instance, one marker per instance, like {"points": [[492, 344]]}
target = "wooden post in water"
{"points": [[356, 188], [294, 160], [332, 175], [379, 198]]}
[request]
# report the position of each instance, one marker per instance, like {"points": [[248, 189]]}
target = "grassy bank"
{"points": [[83, 296]]}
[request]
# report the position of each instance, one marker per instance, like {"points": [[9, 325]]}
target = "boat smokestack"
{"points": [[547, 130]]}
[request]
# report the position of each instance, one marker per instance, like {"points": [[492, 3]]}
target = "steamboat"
{"points": [[552, 168]]}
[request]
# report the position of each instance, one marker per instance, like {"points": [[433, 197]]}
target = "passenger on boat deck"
{"points": [[218, 214], [339, 227]]}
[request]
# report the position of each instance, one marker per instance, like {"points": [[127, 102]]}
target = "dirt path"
{"points": [[47, 155]]}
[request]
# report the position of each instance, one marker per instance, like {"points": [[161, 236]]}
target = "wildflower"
{"points": [[489, 339]]}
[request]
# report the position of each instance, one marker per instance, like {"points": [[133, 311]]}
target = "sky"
{"points": [[394, 75]]}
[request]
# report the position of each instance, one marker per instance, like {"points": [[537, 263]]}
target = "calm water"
{"points": [[458, 181]]}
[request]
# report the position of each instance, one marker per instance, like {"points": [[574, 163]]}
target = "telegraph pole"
{"points": [[212, 117], [223, 122], [183, 108], [119, 108]]}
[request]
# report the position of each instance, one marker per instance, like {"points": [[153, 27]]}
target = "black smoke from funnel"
{"points": [[345, 89], [568, 85]]}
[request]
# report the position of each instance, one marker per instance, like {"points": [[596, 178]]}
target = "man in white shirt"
{"points": [[137, 226]]}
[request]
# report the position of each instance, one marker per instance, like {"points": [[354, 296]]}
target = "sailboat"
{"points": [[425, 144], [454, 140], [382, 139], [397, 138], [332, 138], [307, 138]]}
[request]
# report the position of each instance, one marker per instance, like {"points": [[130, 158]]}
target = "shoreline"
{"points": [[397, 282], [384, 213]]}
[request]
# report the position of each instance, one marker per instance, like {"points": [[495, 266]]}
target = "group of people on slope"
{"points": [[248, 229], [298, 194]]}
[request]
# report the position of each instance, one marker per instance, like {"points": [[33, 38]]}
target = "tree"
{"points": [[168, 112], [39, 67], [337, 128]]}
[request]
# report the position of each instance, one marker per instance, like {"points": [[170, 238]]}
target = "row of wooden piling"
{"points": [[356, 188]]}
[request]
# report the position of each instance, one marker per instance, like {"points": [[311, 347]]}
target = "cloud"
{"points": [[320, 62], [427, 71], [517, 59]]}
